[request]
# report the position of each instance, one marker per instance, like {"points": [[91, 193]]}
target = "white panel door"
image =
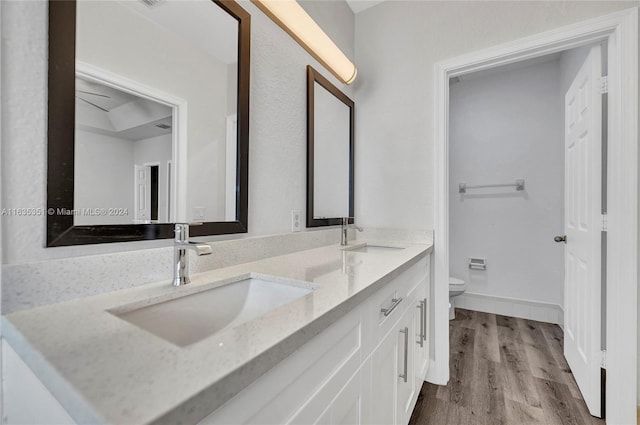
{"points": [[583, 226], [143, 193]]}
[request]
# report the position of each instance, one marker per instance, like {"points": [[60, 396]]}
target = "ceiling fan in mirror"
{"points": [[81, 93]]}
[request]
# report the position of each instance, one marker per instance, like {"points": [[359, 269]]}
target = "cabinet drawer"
{"points": [[389, 302]]}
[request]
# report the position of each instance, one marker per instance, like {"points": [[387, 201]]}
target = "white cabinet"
{"points": [[384, 380], [394, 365], [348, 407], [406, 393], [299, 389], [367, 368], [25, 398]]}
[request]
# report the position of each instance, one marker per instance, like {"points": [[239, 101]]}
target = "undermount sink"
{"points": [[194, 317], [374, 248]]}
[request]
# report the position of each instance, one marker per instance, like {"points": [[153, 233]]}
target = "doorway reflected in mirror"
{"points": [[123, 154]]}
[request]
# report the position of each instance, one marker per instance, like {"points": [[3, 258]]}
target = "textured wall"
{"points": [[277, 161]]}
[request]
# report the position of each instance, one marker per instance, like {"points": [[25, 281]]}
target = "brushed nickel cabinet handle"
{"points": [[424, 320], [421, 337], [405, 331], [394, 304]]}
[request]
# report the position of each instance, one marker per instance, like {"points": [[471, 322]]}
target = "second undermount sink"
{"points": [[192, 318], [374, 248]]}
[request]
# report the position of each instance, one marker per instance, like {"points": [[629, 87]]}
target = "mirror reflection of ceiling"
{"points": [[194, 20], [112, 112], [359, 5]]}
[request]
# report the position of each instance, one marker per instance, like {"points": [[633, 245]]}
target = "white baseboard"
{"points": [[525, 309]]}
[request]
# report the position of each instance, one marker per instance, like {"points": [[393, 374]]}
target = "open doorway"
{"points": [[128, 146], [619, 31], [524, 165]]}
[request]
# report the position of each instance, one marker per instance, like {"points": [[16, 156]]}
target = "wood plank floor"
{"points": [[504, 371]]}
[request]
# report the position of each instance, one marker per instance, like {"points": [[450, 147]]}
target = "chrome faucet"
{"points": [[344, 227], [181, 246]]}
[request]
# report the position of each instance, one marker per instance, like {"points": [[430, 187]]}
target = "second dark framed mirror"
{"points": [[148, 119], [330, 152]]}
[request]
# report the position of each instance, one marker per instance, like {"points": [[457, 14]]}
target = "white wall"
{"points": [[232, 92], [103, 177], [277, 161], [506, 126], [336, 18], [397, 44]]}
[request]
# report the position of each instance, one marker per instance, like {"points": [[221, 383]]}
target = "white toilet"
{"points": [[456, 287]]}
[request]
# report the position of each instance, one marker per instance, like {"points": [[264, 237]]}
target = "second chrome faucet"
{"points": [[343, 230], [181, 247]]}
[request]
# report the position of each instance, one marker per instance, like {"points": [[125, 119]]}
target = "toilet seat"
{"points": [[456, 284]]}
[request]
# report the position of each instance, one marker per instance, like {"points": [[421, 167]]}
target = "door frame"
{"points": [[159, 165], [620, 31]]}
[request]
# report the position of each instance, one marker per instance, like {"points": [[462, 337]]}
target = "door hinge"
{"points": [[604, 84], [604, 222], [603, 362]]}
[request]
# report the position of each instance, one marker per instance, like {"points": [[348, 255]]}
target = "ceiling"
{"points": [[101, 96], [99, 110], [360, 5], [199, 22]]}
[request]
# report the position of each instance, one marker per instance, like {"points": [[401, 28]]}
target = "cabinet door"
{"points": [[23, 391], [384, 380], [345, 408], [299, 389], [406, 382], [393, 383]]}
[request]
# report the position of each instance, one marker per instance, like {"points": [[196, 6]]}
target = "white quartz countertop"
{"points": [[104, 369]]}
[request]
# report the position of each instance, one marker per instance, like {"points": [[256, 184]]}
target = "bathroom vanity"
{"points": [[350, 345], [337, 334]]}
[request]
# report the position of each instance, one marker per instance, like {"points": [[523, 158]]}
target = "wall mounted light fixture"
{"points": [[292, 18]]}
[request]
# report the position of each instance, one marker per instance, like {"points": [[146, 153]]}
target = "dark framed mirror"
{"points": [[330, 152], [148, 119]]}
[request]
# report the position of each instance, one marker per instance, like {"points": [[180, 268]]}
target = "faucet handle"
{"points": [[345, 220], [193, 223], [179, 227], [182, 230]]}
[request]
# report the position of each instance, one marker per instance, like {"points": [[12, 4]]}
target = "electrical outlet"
{"points": [[296, 226], [198, 213]]}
